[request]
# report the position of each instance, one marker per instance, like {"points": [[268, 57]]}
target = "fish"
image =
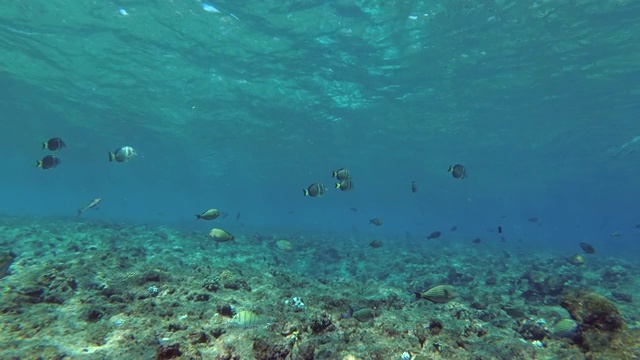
{"points": [[284, 245], [248, 319], [220, 235], [376, 244], [91, 205], [616, 234], [454, 228], [341, 174], [237, 216], [414, 187], [587, 248], [208, 215], [123, 154], [476, 241], [48, 162], [565, 328], [577, 260], [434, 235], [634, 140], [353, 209], [54, 144], [362, 314], [439, 294], [345, 185], [458, 171], [6, 259], [209, 8], [533, 219], [375, 221], [314, 190], [499, 229]]}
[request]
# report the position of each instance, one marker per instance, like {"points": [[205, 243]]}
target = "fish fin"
{"points": [[305, 192], [111, 156], [198, 217], [45, 145], [38, 163]]}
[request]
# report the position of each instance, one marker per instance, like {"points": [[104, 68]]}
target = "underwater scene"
{"points": [[309, 179]]}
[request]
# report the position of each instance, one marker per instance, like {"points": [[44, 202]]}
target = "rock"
{"points": [[593, 311], [169, 352], [321, 323]]}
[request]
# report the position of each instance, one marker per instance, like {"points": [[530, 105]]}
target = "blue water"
{"points": [[535, 109]]}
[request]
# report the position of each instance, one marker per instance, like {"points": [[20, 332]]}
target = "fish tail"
{"points": [[450, 168], [418, 295], [38, 163], [111, 156], [305, 192], [337, 185], [334, 174], [79, 212], [198, 217], [45, 145]]}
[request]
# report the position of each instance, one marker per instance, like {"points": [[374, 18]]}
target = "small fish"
{"points": [[54, 144], [237, 216], [123, 154], [434, 235], [247, 319], [362, 314], [314, 190], [341, 174], [348, 314], [220, 235], [91, 205], [375, 221], [5, 262], [414, 187], [458, 171], [454, 228], [376, 244], [577, 260], [587, 248], [208, 215], [476, 241], [616, 234], [345, 185], [439, 294], [533, 219], [499, 229], [353, 209], [210, 8], [48, 162]]}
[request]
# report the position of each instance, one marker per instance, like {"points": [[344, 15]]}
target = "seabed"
{"points": [[75, 289]]}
